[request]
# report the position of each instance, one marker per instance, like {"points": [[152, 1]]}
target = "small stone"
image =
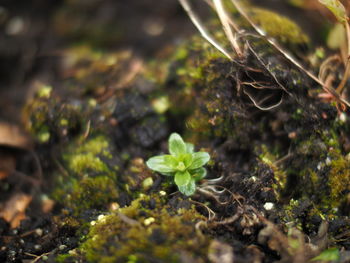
{"points": [[269, 206], [147, 183], [148, 221], [39, 231], [62, 247], [342, 117], [101, 217], [37, 247], [114, 206]]}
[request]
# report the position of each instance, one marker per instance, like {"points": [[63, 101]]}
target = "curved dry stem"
{"points": [[211, 213], [347, 61], [213, 189], [228, 220], [198, 228], [215, 180], [199, 25], [235, 197], [328, 65], [211, 195], [258, 103], [225, 21], [288, 56]]}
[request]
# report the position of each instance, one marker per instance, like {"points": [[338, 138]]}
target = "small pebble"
{"points": [[39, 232], [37, 247], [100, 217], [114, 206], [342, 117], [269, 206], [148, 221], [62, 247]]}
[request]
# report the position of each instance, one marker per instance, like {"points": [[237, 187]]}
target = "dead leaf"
{"points": [[3, 175], [11, 135], [47, 205], [13, 211]]}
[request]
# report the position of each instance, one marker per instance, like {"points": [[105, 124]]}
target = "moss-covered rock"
{"points": [[279, 27], [51, 120], [148, 230], [92, 176]]}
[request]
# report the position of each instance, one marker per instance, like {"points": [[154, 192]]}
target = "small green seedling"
{"points": [[183, 163]]}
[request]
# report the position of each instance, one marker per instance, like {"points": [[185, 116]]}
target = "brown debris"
{"points": [[13, 211], [12, 135]]}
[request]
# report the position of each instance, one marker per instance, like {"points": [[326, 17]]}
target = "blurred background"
{"points": [[34, 33]]}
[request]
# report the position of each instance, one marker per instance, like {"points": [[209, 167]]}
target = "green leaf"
{"points": [[188, 189], [187, 159], [182, 178], [189, 147], [199, 159], [199, 173], [161, 164], [171, 161], [176, 145], [330, 254], [337, 8], [336, 37]]}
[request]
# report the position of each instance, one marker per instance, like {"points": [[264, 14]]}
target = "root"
{"points": [[211, 213]]}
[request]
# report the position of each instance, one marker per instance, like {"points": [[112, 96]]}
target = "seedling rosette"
{"points": [[183, 163]]}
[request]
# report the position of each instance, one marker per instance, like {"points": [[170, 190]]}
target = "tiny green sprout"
{"points": [[183, 163]]}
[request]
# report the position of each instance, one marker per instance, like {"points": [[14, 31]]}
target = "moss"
{"points": [[92, 72], [339, 178], [129, 235], [84, 162], [279, 27], [92, 183], [63, 258], [98, 145], [89, 193], [81, 195], [87, 156]]}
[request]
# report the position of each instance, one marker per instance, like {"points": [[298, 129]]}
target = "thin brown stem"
{"points": [[288, 56], [199, 25], [225, 21], [347, 67]]}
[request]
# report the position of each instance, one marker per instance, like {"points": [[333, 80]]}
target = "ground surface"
{"points": [[91, 89]]}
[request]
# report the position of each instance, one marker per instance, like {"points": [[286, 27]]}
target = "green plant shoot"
{"points": [[183, 163], [337, 8]]}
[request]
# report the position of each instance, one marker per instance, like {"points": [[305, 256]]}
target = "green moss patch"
{"points": [[146, 231]]}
